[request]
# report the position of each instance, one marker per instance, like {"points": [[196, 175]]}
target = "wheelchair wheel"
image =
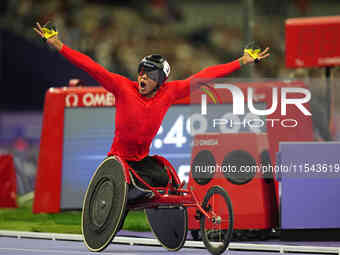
{"points": [[196, 235], [217, 231], [169, 225], [104, 204]]}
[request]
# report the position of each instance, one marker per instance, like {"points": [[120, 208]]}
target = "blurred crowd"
{"points": [[191, 34], [117, 34]]}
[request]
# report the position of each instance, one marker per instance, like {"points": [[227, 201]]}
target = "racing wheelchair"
{"points": [[115, 187]]}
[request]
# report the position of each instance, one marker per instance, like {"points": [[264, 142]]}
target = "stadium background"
{"points": [[117, 34]]}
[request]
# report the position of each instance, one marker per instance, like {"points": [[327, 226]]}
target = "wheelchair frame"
{"points": [[174, 195]]}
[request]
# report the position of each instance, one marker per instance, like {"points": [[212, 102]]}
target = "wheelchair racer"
{"points": [[141, 105]]}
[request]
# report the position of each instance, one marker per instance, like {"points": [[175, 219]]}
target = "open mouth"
{"points": [[142, 84]]}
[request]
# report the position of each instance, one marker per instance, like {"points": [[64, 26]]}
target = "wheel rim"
{"points": [[218, 227], [104, 204]]}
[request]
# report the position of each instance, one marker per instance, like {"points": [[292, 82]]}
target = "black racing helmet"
{"points": [[156, 63]]}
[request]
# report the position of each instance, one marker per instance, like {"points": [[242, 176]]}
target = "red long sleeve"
{"points": [[138, 118], [183, 87], [110, 81]]}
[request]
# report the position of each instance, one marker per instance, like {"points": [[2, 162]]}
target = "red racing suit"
{"points": [[138, 118]]}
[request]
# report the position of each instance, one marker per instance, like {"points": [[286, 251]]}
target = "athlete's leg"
{"points": [[151, 171], [157, 172], [138, 167]]}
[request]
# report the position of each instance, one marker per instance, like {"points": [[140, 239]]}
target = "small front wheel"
{"points": [[217, 229]]}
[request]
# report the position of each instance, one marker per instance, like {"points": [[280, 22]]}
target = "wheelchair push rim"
{"points": [[104, 204], [217, 229]]}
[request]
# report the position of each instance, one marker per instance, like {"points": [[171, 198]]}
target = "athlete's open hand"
{"points": [[251, 56], [48, 35]]}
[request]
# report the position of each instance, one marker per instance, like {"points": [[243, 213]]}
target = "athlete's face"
{"points": [[145, 84]]}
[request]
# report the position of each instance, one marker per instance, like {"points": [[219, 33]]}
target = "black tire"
{"points": [[196, 235], [217, 240], [104, 204], [169, 225]]}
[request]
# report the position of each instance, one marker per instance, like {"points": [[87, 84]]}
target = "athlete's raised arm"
{"points": [[110, 81], [183, 87]]}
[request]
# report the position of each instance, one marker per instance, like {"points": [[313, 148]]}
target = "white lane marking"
{"points": [[50, 251]]}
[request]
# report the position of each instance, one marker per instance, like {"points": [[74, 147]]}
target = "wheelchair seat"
{"points": [[139, 191], [136, 191]]}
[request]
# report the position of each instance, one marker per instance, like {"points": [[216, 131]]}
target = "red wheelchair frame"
{"points": [[173, 198], [165, 195]]}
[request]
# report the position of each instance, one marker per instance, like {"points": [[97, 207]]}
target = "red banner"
{"points": [[7, 182], [312, 42]]}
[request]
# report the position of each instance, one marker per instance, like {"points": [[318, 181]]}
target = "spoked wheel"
{"points": [[104, 204], [217, 230]]}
